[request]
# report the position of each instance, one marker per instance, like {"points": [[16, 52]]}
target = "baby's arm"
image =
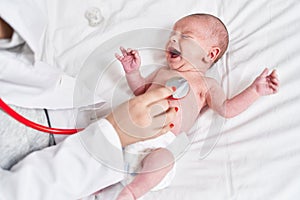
{"points": [[131, 63], [264, 84]]}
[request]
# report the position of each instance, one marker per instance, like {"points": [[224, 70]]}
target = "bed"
{"points": [[255, 155]]}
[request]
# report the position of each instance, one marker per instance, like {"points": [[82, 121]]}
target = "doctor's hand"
{"points": [[143, 117]]}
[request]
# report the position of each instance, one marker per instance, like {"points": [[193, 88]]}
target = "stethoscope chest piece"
{"points": [[181, 85]]}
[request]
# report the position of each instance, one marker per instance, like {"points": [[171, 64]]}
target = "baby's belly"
{"points": [[186, 115]]}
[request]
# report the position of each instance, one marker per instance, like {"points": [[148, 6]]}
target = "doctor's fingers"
{"points": [[163, 122], [159, 107], [166, 117], [154, 96]]}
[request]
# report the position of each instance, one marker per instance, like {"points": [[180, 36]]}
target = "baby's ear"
{"points": [[214, 53]]}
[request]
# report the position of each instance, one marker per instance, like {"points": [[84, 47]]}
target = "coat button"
{"points": [[94, 16]]}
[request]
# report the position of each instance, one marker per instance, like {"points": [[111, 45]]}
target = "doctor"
{"points": [[82, 163]]}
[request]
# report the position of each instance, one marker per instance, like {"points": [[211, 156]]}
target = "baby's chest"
{"points": [[197, 86], [163, 76], [190, 105]]}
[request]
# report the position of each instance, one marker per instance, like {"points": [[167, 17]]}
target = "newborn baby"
{"points": [[196, 43]]}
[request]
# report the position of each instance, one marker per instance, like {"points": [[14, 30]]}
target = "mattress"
{"points": [[255, 155]]}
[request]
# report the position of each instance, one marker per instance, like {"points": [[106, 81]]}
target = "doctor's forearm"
{"points": [[77, 167]]}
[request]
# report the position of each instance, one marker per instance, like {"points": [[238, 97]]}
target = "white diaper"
{"points": [[135, 153]]}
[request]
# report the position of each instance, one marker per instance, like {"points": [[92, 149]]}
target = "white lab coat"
{"points": [[42, 82], [82, 163], [77, 167]]}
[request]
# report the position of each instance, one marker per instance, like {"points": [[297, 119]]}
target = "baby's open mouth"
{"points": [[174, 52]]}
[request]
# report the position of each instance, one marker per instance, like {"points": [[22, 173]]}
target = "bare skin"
{"points": [[5, 30], [136, 109], [132, 118], [190, 52]]}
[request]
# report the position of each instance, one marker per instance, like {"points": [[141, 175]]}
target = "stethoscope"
{"points": [[6, 108], [181, 85]]}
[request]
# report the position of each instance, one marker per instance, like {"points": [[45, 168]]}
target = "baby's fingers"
{"points": [[123, 50], [275, 81], [273, 87], [120, 58], [135, 53], [273, 73], [264, 73], [273, 77]]}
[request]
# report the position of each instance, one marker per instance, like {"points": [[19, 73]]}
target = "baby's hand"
{"points": [[266, 84], [130, 59]]}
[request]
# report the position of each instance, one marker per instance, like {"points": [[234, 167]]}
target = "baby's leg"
{"points": [[155, 167]]}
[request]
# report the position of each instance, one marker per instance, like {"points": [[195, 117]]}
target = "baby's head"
{"points": [[197, 40]]}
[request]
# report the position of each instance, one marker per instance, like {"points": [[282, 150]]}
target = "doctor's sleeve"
{"points": [[35, 84], [77, 167]]}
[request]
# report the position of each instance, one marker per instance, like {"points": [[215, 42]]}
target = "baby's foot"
{"points": [[125, 194]]}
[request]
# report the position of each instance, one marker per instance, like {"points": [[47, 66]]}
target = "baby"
{"points": [[196, 43]]}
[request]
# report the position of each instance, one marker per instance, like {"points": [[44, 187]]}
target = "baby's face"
{"points": [[188, 45]]}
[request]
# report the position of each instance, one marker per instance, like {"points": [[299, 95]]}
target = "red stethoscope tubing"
{"points": [[34, 125]]}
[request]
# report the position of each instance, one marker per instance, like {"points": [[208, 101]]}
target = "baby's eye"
{"points": [[184, 36]]}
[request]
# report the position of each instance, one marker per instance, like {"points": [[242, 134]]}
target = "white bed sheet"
{"points": [[255, 155]]}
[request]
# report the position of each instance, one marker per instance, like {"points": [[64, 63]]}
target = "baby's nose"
{"points": [[174, 38]]}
